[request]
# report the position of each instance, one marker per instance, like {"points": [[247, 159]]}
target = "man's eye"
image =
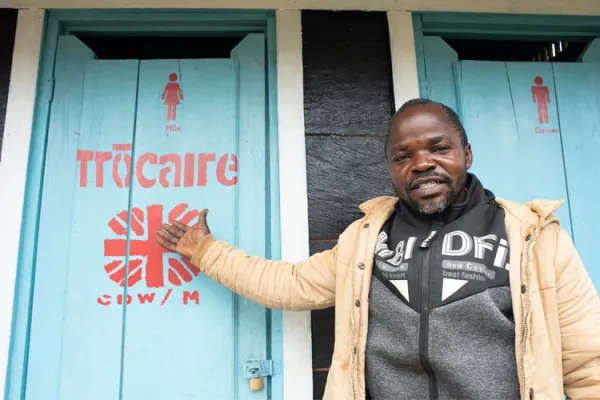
{"points": [[402, 157], [441, 148]]}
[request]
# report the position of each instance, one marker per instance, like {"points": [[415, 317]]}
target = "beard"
{"points": [[436, 205]]}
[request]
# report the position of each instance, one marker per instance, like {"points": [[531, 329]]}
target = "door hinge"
{"points": [[261, 368]]}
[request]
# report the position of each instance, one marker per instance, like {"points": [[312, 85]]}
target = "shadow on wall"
{"points": [[8, 25]]}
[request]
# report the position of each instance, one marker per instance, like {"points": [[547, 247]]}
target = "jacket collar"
{"points": [[533, 212], [475, 195]]}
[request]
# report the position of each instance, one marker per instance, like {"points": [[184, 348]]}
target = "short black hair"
{"points": [[450, 113]]}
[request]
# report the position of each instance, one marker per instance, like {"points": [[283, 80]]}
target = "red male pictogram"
{"points": [[146, 257], [541, 96]]}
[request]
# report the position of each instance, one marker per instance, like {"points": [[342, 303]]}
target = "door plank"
{"points": [[93, 322], [439, 59], [577, 90], [52, 260], [250, 60], [75, 348], [184, 346]]}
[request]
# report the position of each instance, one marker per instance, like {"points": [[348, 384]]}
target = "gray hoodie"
{"points": [[440, 311]]}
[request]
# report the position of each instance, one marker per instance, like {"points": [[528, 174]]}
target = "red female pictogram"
{"points": [[172, 96], [146, 257]]}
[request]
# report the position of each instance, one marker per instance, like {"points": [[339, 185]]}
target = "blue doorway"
{"points": [[133, 141]]}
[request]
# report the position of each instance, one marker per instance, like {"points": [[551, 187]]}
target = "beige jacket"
{"points": [[556, 307]]}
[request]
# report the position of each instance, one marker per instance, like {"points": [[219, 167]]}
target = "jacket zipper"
{"points": [[526, 307], [425, 308]]}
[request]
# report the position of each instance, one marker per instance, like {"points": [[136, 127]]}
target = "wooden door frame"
{"points": [[289, 332]]}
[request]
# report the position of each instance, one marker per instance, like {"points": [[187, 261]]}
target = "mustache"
{"points": [[428, 174]]}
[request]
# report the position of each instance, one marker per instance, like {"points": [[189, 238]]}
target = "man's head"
{"points": [[428, 155]]}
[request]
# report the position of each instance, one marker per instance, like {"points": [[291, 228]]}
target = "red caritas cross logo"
{"points": [[146, 257]]}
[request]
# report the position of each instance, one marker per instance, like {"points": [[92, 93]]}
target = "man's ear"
{"points": [[468, 156]]}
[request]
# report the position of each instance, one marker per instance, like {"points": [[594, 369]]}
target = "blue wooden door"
{"points": [[534, 132], [133, 144]]}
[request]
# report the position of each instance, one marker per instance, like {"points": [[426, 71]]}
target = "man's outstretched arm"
{"points": [[306, 285]]}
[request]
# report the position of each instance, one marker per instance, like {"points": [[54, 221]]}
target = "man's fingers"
{"points": [[181, 226], [165, 243], [168, 237], [175, 230]]}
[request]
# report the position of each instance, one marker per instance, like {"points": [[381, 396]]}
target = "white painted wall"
{"points": [[13, 168], [567, 7], [297, 354], [404, 56]]}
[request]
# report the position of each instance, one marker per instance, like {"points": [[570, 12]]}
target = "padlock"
{"points": [[257, 383]]}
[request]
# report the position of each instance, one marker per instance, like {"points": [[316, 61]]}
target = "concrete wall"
{"points": [[348, 99]]}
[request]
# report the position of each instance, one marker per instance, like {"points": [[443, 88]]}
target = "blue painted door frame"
{"points": [[173, 22], [430, 26]]}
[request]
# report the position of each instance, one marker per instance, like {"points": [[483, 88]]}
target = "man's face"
{"points": [[427, 160]]}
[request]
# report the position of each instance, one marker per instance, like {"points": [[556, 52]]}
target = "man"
{"points": [[443, 292]]}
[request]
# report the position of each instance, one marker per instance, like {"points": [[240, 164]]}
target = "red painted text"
{"points": [[187, 297], [150, 169]]}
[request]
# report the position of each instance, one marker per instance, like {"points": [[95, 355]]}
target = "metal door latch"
{"points": [[256, 370]]}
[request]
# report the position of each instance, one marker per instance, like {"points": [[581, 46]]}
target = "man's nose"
{"points": [[422, 163]]}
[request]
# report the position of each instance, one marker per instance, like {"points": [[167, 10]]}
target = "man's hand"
{"points": [[183, 239]]}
